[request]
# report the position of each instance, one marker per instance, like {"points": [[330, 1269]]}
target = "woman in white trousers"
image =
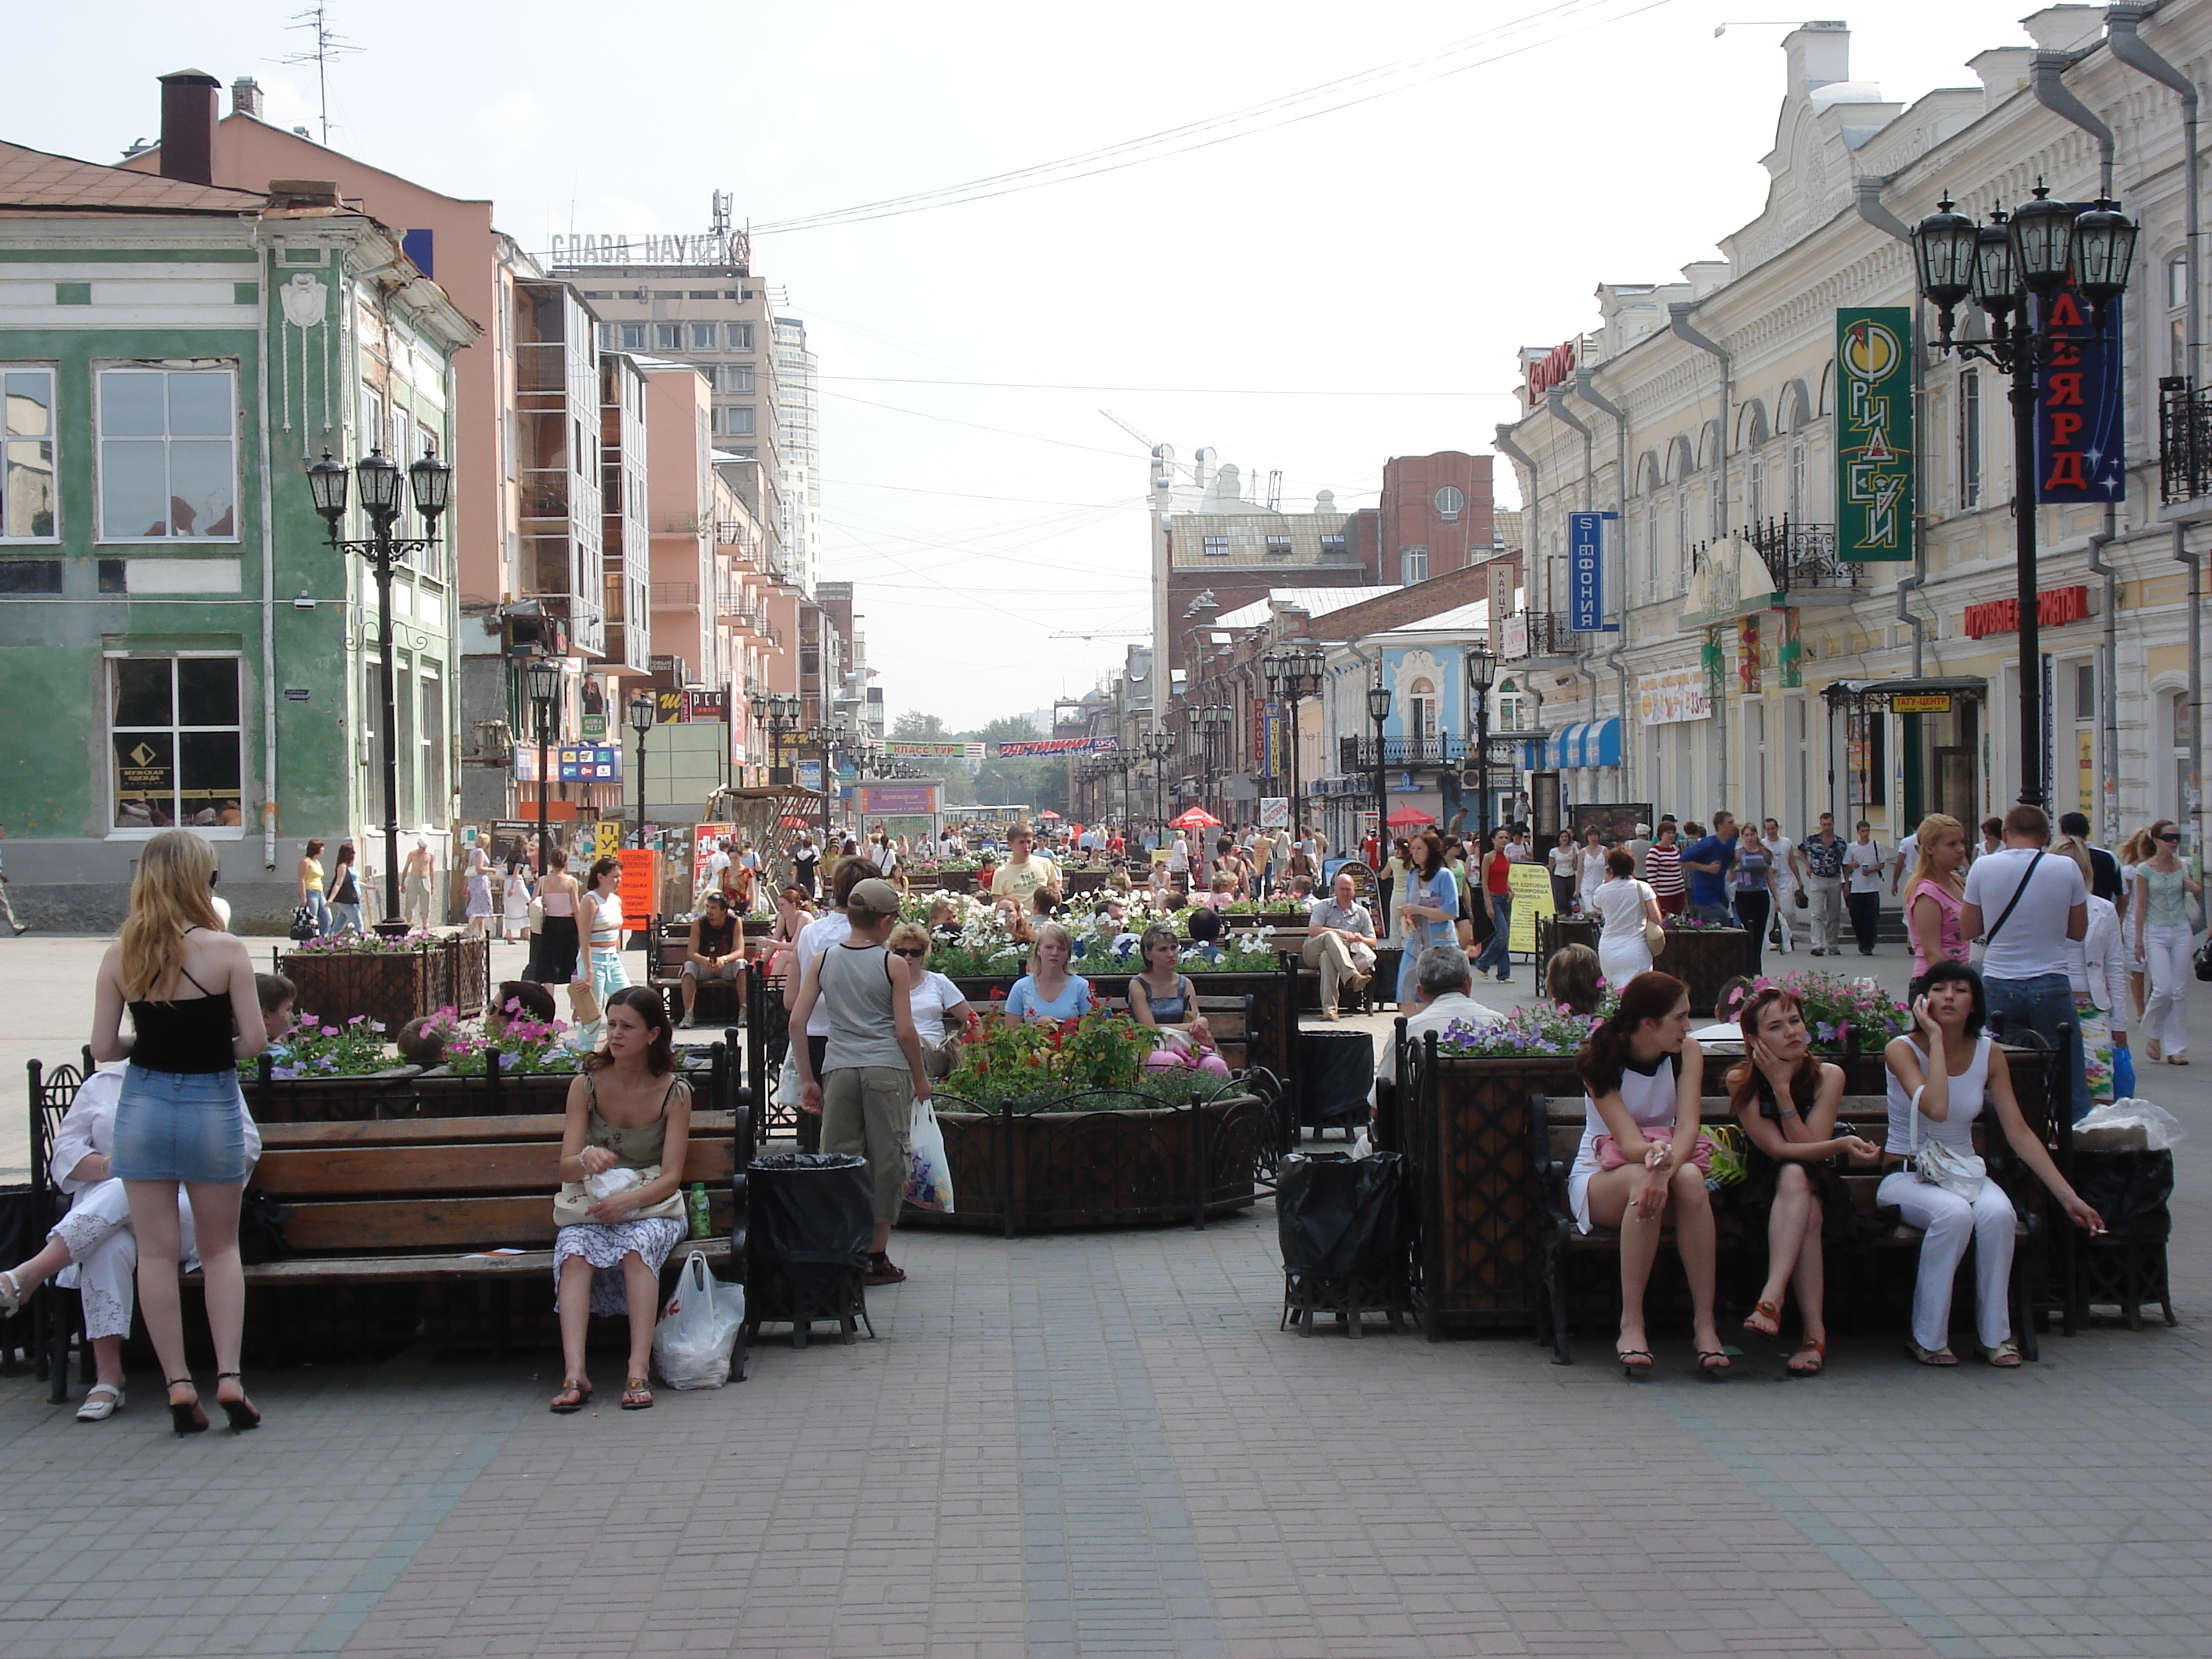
{"points": [[1941, 1074], [2158, 915]]}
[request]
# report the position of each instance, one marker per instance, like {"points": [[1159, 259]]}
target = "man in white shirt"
{"points": [[1341, 942], [1443, 983], [717, 862], [1908, 853], [1863, 859], [2027, 907], [1783, 860], [832, 926]]}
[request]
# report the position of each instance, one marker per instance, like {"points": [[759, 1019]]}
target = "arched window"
{"points": [[2177, 314], [1796, 482], [1681, 548], [1512, 714], [2177, 726], [1449, 504], [1421, 710], [1754, 491]]}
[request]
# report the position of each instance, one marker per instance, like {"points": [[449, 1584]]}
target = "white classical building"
{"points": [[1753, 669]]}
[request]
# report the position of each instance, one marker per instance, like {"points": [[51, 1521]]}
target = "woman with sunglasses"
{"points": [[941, 1014], [2159, 910]]}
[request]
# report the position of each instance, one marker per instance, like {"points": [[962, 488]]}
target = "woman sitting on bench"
{"points": [[1786, 1101], [1942, 1072], [627, 1112], [1641, 1161], [1163, 998]]}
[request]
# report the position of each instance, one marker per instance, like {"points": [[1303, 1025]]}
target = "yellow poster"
{"points": [[606, 838], [1532, 897], [2086, 754]]}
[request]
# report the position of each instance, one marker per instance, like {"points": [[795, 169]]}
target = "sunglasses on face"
{"points": [[910, 951], [2174, 837]]}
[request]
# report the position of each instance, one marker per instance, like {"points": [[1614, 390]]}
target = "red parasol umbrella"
{"points": [[1406, 816], [1048, 814], [1198, 819]]}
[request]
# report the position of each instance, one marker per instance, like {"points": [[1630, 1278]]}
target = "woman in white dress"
{"points": [[1589, 870], [479, 906], [514, 902], [1640, 1162], [1625, 906], [1941, 1074]]}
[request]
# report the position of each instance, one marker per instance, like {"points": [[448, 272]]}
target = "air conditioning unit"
{"points": [[1470, 780]]}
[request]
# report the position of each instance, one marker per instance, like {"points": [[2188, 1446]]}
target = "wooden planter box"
{"points": [[957, 881], [440, 1092], [1275, 1025], [393, 988], [1705, 959], [1138, 1167], [386, 1093]]}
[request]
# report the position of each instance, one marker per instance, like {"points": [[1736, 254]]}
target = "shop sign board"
{"points": [[1873, 463]]}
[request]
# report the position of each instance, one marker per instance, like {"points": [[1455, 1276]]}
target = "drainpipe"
{"points": [[1532, 544], [1586, 389], [2047, 78], [267, 261], [2108, 702], [2122, 24], [1677, 322], [1867, 197]]}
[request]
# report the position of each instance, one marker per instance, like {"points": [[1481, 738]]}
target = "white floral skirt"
{"points": [[604, 1244]]}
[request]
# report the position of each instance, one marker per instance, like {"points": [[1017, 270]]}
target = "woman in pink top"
{"points": [[1938, 889]]}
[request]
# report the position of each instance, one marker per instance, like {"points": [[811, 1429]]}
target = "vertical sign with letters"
{"points": [[1873, 434], [1589, 540], [2081, 422]]}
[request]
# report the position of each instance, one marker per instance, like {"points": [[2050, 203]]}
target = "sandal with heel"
{"points": [[187, 1417], [240, 1411], [1637, 1365], [1796, 1371]]}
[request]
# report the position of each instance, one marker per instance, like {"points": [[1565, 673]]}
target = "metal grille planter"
{"points": [[386, 1093]]}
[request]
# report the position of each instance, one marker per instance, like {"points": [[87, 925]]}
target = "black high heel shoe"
{"points": [[188, 1417], [240, 1412]]}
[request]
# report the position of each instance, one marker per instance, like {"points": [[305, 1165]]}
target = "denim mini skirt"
{"points": [[180, 1125]]}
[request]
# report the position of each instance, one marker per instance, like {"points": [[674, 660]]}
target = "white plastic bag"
{"points": [[697, 1335], [2127, 1124], [787, 1091], [606, 1184], [929, 1172]]}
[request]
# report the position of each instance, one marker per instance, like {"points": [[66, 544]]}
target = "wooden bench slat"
{"points": [[452, 1130], [315, 1173], [404, 1269]]}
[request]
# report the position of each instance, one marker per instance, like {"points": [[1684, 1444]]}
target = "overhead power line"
{"points": [[1190, 391]]}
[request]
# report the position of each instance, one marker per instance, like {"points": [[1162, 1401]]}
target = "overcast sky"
{"points": [[1281, 292]]}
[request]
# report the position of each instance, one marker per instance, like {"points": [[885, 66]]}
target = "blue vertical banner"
{"points": [[2080, 419], [1589, 540]]}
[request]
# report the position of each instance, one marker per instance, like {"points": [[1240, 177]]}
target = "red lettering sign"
{"points": [[1550, 370], [2054, 608]]}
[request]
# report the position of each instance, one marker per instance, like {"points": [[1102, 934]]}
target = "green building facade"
{"points": [[179, 644]]}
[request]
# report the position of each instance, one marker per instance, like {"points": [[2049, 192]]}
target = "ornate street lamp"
{"points": [[1481, 675], [1159, 744], [2013, 267], [543, 674], [431, 483], [1293, 674], [1378, 710], [642, 708]]}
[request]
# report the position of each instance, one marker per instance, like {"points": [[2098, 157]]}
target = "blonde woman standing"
{"points": [[1935, 894], [2157, 912], [180, 1121]]}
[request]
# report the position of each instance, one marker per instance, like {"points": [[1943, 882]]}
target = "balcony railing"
{"points": [[674, 596], [1801, 558], [1358, 754], [2184, 440], [1549, 635]]}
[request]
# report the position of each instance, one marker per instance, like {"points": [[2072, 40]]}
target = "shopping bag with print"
{"points": [[929, 1172]]}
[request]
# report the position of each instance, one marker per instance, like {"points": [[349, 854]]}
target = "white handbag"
{"points": [[1954, 1171]]}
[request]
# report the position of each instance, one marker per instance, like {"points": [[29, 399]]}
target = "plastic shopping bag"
{"points": [[2124, 1073], [787, 1092], [929, 1172], [697, 1335], [2128, 1125]]}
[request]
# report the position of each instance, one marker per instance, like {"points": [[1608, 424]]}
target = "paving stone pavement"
{"points": [[1101, 1444]]}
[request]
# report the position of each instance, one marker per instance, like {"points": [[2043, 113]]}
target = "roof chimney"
{"points": [[246, 97], [189, 99]]}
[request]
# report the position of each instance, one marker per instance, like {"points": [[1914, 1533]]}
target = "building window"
{"points": [[668, 337], [1449, 504], [1334, 547], [607, 338], [1754, 491], [2177, 314], [2177, 726], [26, 455], [738, 420], [34, 575], [738, 377], [702, 337], [741, 336], [168, 454], [1650, 585], [1681, 548], [1279, 545], [1969, 438], [1217, 547], [1412, 565], [1512, 713], [707, 374], [1797, 481], [173, 732], [1421, 710], [632, 336]]}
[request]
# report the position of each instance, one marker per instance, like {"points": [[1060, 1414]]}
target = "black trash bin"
{"points": [[2129, 1188], [1340, 1223], [806, 1254], [1335, 1071]]}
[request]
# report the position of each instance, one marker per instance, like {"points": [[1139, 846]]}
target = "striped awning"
{"points": [[1586, 742]]}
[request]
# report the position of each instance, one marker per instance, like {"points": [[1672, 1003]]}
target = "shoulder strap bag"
{"points": [[572, 1205], [1939, 1165], [1989, 934]]}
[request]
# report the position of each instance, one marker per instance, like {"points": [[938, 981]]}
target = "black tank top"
{"points": [[717, 941], [191, 1034]]}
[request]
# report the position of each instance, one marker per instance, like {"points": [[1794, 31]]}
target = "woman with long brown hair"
{"points": [[1429, 910], [1786, 1102], [627, 1110], [1640, 1162], [180, 1121]]}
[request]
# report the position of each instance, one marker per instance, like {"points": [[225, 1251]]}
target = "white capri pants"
{"points": [[103, 1255], [1947, 1221], [2167, 958], [1785, 907]]}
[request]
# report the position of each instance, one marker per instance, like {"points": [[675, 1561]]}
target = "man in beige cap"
{"points": [[873, 1070]]}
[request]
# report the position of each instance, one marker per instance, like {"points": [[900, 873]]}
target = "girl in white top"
{"points": [[603, 930], [1625, 904], [1643, 1074], [941, 1014], [514, 902], [1590, 869], [1946, 1068]]}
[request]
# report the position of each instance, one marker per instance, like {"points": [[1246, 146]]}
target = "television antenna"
{"points": [[328, 45]]}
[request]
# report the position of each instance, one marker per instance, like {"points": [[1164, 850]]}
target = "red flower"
{"points": [[998, 993]]}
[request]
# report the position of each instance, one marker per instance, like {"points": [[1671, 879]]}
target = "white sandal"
{"points": [[102, 1403]]}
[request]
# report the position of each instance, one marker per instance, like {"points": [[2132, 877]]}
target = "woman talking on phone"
{"points": [[1940, 1074]]}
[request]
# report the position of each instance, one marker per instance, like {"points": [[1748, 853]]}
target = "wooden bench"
{"points": [[1306, 992], [720, 1001], [1556, 1128]]}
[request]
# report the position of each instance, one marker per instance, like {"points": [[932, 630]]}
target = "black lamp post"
{"points": [[2012, 267], [431, 481], [778, 712], [1159, 744], [642, 708], [1218, 718], [543, 674], [1293, 673], [1481, 675], [1378, 710]]}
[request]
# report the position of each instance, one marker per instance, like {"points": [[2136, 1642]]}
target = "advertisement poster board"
{"points": [[1532, 897], [702, 835], [606, 837], [1274, 811], [1617, 819], [641, 878]]}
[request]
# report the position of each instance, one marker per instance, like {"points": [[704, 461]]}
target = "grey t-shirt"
{"points": [[1353, 921], [856, 988], [2033, 941]]}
